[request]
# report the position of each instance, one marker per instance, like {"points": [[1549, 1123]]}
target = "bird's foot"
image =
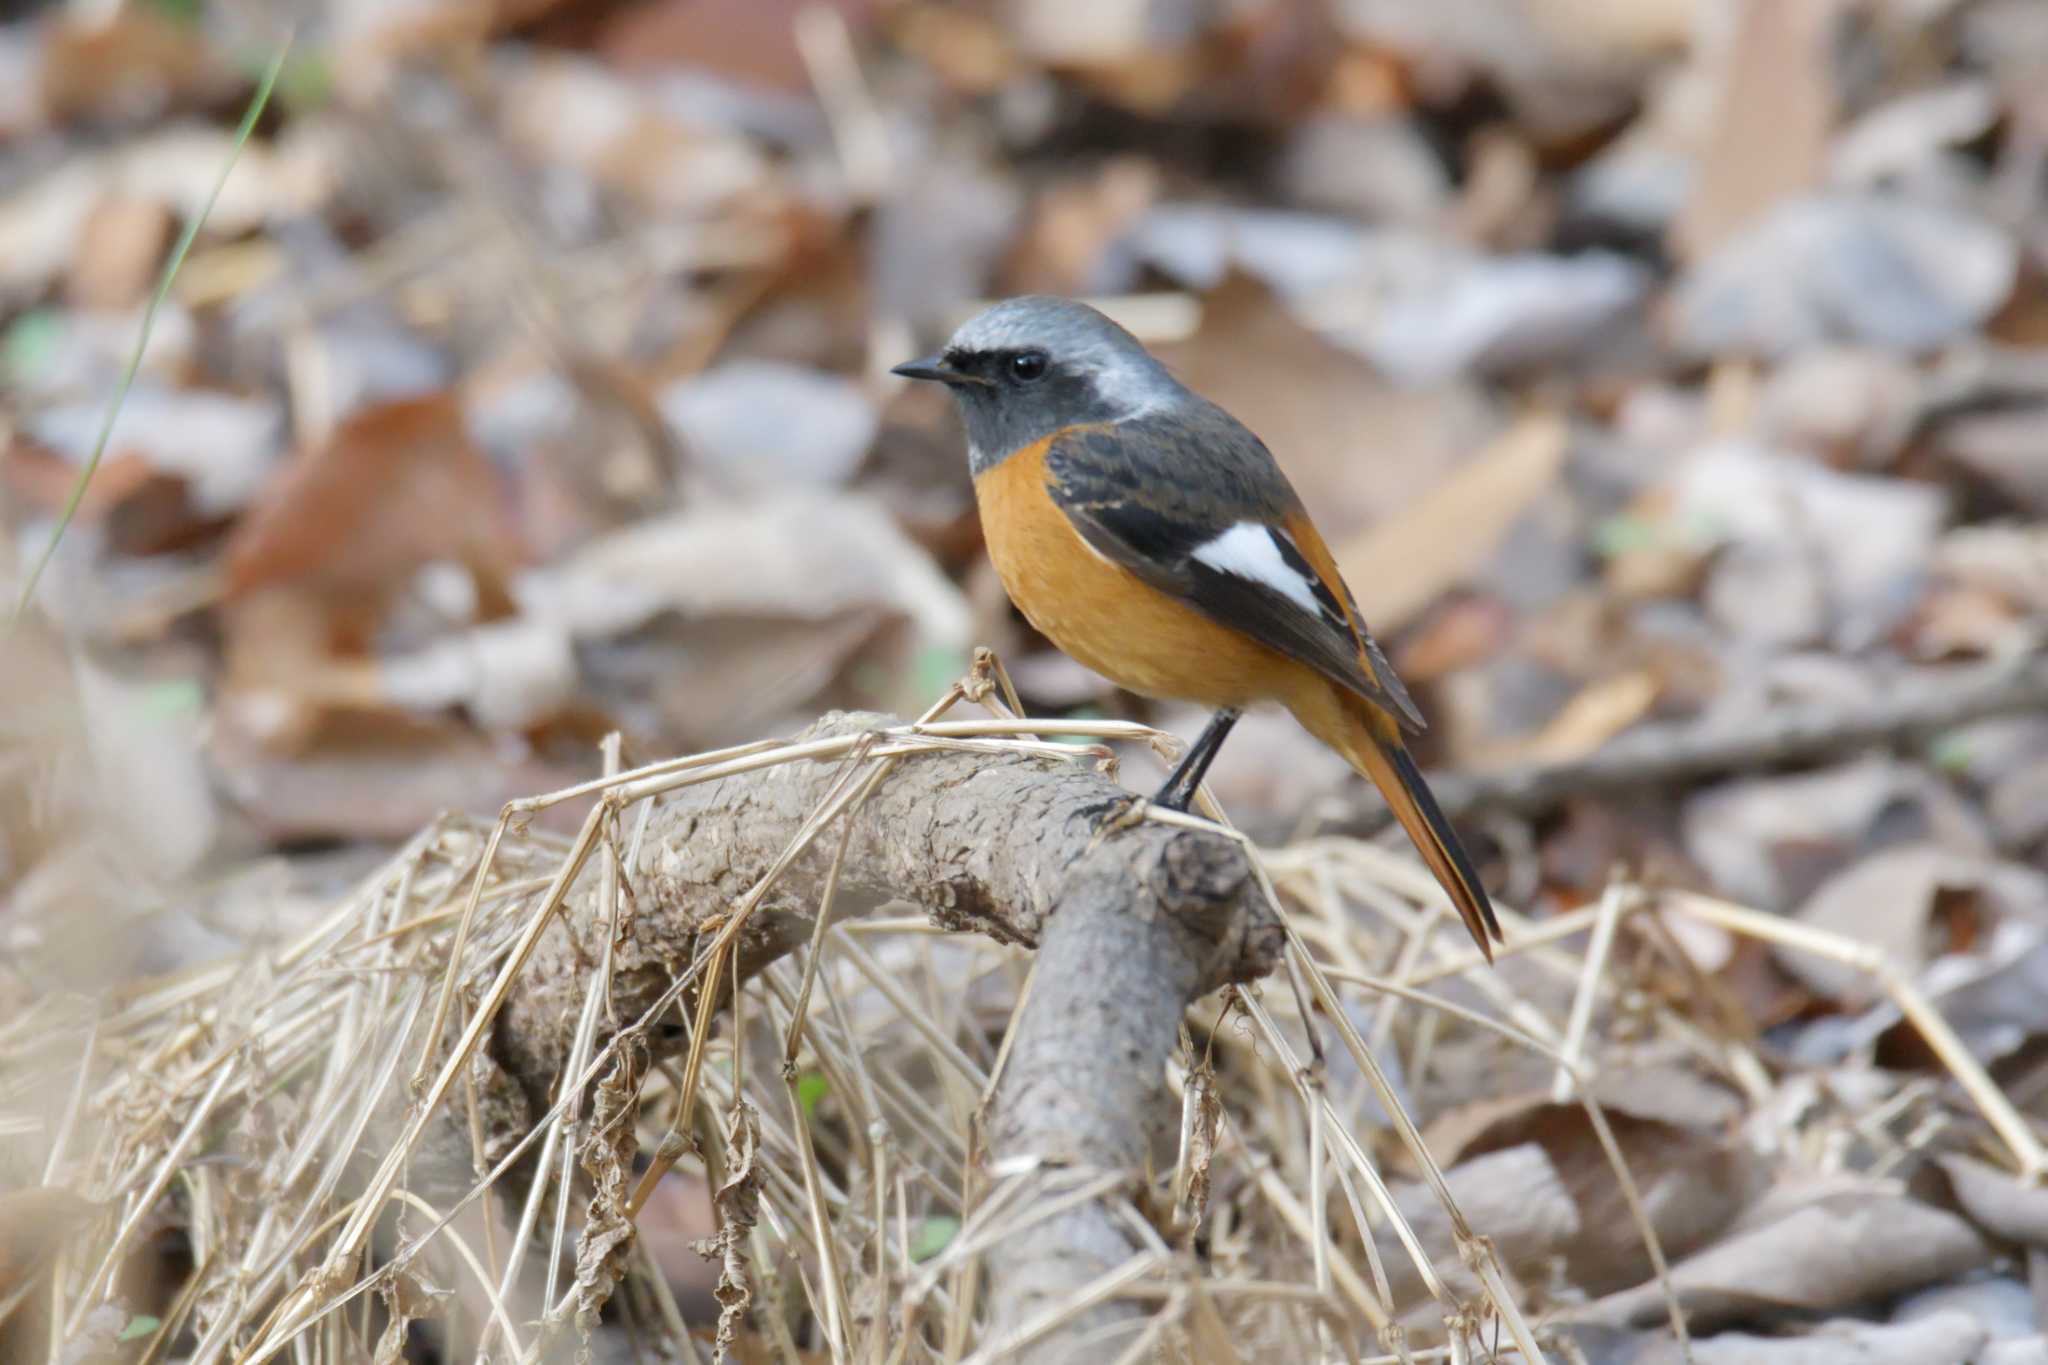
{"points": [[1115, 816]]}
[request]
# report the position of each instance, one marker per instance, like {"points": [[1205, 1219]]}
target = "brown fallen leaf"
{"points": [[1997, 1203], [130, 63], [1465, 631], [967, 50], [809, 557], [43, 479], [728, 680], [1912, 903], [1593, 833], [749, 42], [1843, 1250], [370, 42], [2003, 449], [1596, 713], [1771, 841], [1951, 1338], [369, 778], [1771, 131], [1961, 621], [1142, 55], [399, 486], [1403, 564], [576, 113], [1516, 1194], [1075, 222], [1357, 448], [1668, 1124], [118, 254]]}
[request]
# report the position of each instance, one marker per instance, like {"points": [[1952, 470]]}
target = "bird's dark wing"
{"points": [[1196, 506]]}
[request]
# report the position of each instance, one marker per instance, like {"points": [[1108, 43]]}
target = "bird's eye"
{"points": [[1026, 366]]}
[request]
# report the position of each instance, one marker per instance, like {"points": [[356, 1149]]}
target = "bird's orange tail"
{"points": [[1372, 744]]}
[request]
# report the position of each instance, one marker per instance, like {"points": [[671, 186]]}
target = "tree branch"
{"points": [[1916, 709], [1131, 928], [1134, 940]]}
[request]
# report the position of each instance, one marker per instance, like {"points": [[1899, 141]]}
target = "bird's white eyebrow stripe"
{"points": [[1251, 550]]}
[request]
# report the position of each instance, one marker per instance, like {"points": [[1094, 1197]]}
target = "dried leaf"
{"points": [[128, 64], [1827, 1256], [222, 446], [1566, 66], [1357, 448], [1374, 169], [1516, 1195], [579, 114], [1912, 904], [1848, 550], [398, 487], [2002, 448], [1777, 102], [807, 558], [762, 427], [1433, 314], [407, 1297], [2018, 806], [738, 1202], [1075, 224], [98, 1338], [1772, 841], [156, 796], [178, 166], [1596, 713], [1402, 565], [1902, 136], [1901, 274], [1997, 1000], [1670, 1127], [119, 254], [371, 777], [509, 675], [1943, 1339], [606, 1155], [1203, 1119], [748, 42]]}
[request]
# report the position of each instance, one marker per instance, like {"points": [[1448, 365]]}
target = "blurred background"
{"points": [[1651, 363]]}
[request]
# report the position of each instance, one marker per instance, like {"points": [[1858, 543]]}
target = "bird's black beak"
{"points": [[934, 368]]}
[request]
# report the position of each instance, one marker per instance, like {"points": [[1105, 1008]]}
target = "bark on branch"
{"points": [[1130, 929], [1134, 940]]}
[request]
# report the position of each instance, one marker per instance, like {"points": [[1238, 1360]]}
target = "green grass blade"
{"points": [[163, 290]]}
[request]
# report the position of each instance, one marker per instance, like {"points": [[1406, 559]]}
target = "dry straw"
{"points": [[278, 1108]]}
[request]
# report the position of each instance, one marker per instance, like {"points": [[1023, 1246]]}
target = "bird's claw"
{"points": [[1115, 816]]}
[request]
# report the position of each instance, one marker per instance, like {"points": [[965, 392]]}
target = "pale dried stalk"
{"points": [[2027, 1151], [456, 890], [1571, 1056]]}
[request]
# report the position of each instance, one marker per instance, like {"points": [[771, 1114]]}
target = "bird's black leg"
{"points": [[1179, 791]]}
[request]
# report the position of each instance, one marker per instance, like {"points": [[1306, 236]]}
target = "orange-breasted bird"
{"points": [[1147, 533]]}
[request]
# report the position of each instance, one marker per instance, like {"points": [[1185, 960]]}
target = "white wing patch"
{"points": [[1251, 550]]}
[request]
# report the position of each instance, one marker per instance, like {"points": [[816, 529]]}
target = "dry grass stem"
{"points": [[863, 1068]]}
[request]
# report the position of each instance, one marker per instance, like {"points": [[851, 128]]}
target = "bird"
{"points": [[1151, 536]]}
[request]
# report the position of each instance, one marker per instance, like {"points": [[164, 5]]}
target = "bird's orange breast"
{"points": [[1104, 615]]}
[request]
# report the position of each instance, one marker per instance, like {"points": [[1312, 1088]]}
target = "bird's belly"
{"points": [[1101, 613]]}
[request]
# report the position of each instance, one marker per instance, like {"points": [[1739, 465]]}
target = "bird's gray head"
{"points": [[1032, 366]]}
